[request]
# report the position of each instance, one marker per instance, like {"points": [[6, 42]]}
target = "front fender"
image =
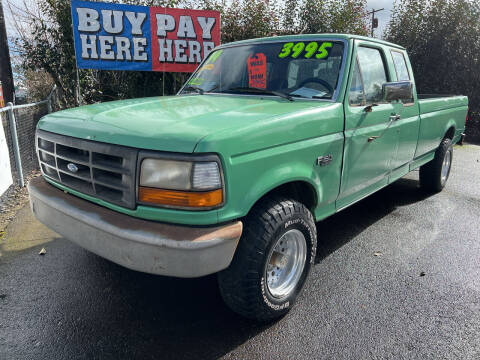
{"points": [[281, 176], [251, 176]]}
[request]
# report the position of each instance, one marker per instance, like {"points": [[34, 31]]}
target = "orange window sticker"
{"points": [[206, 67], [257, 71]]}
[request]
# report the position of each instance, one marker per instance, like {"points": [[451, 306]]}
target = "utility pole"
{"points": [[6, 76], [374, 19]]}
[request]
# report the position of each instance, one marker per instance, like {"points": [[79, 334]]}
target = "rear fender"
{"points": [[449, 125]]}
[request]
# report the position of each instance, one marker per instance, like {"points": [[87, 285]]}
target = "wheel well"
{"points": [[450, 133], [301, 191]]}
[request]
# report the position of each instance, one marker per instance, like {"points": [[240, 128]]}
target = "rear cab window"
{"points": [[400, 64]]}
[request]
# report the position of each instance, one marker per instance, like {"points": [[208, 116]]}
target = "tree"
{"points": [[47, 42], [249, 19], [442, 38], [333, 16]]}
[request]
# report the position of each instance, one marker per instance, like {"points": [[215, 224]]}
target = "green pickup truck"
{"points": [[229, 176]]}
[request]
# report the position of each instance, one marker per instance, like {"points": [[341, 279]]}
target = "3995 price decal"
{"points": [[301, 49]]}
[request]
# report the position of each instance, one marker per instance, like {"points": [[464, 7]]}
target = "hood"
{"points": [[174, 123]]}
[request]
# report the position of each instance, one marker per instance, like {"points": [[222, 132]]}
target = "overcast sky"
{"points": [[8, 16], [383, 16]]}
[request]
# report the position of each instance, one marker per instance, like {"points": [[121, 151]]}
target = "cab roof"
{"points": [[311, 36]]}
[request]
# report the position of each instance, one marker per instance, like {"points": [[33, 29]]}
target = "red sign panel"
{"points": [[2, 102], [182, 38], [257, 71]]}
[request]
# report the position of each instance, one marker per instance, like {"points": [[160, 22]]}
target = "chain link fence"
{"points": [[19, 123]]}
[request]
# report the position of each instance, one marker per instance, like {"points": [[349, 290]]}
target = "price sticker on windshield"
{"points": [[257, 71], [307, 51]]}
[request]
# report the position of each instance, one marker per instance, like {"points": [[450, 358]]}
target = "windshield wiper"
{"points": [[195, 88], [298, 95], [200, 90], [326, 96], [261, 91]]}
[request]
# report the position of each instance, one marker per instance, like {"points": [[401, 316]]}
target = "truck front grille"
{"points": [[102, 170]]}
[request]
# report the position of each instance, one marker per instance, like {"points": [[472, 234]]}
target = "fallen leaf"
{"points": [[2, 234], [42, 252], [377, 253]]}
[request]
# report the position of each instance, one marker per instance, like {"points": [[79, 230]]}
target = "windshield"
{"points": [[303, 69]]}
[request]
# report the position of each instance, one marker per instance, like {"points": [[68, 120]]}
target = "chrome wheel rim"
{"points": [[285, 263], [447, 162]]}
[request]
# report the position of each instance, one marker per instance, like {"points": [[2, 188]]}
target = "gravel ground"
{"points": [[397, 276], [12, 201]]}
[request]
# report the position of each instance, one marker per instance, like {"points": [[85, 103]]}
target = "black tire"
{"points": [[243, 284], [431, 178]]}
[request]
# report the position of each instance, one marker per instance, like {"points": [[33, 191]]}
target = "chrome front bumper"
{"points": [[137, 244]]}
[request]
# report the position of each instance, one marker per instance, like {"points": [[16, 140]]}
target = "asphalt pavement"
{"points": [[397, 276]]}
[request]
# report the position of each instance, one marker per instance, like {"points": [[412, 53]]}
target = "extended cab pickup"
{"points": [[267, 137]]}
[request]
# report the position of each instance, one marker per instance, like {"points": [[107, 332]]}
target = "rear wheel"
{"points": [[434, 175], [272, 261]]}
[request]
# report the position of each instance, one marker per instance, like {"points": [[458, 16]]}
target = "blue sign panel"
{"points": [[112, 36]]}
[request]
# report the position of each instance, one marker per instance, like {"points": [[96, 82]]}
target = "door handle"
{"points": [[393, 117]]}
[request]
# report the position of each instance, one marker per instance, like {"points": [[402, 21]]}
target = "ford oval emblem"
{"points": [[72, 167]]}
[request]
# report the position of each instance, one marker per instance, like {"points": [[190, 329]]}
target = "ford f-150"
{"points": [[267, 137]]}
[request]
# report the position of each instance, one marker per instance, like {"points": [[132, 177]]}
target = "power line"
{"points": [[374, 19]]}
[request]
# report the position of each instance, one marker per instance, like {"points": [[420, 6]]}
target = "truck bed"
{"points": [[438, 115], [430, 102]]}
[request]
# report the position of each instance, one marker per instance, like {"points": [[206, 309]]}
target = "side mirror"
{"points": [[402, 90]]}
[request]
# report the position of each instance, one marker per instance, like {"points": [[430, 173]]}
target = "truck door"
{"points": [[408, 124], [370, 140]]}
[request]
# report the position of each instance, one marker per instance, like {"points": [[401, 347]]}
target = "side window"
{"points": [[373, 73], [356, 96], [400, 66]]}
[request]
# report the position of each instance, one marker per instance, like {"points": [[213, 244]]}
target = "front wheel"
{"points": [[434, 174], [272, 261]]}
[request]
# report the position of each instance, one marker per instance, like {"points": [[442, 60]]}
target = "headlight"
{"points": [[166, 174], [180, 184]]}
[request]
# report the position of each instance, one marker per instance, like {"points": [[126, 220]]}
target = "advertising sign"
{"points": [[140, 38]]}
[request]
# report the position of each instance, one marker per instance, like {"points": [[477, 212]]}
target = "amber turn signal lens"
{"points": [[180, 198]]}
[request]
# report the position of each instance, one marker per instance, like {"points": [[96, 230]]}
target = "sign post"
{"points": [[6, 76], [2, 101], [140, 38]]}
